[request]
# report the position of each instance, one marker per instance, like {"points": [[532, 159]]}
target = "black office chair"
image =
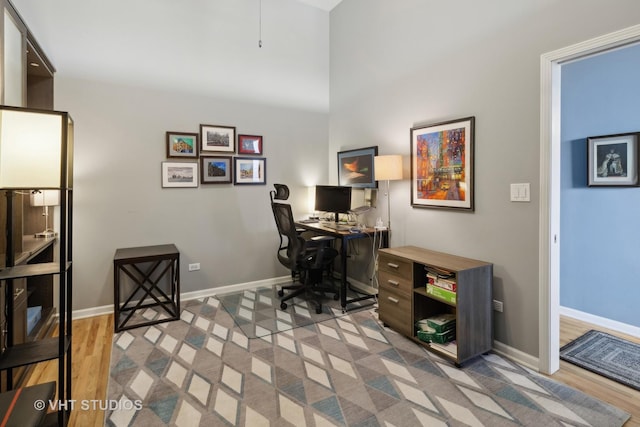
{"points": [[306, 258]]}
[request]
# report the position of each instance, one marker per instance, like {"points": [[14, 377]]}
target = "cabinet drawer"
{"points": [[396, 266], [394, 309], [394, 282]]}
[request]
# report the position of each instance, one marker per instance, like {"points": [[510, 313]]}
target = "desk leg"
{"points": [[343, 275]]}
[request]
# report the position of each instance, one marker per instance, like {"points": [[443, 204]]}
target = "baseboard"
{"points": [[186, 296], [516, 355], [603, 322]]}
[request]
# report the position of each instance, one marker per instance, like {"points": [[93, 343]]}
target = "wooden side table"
{"points": [[149, 268]]}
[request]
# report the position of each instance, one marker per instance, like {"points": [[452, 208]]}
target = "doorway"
{"points": [[549, 214]]}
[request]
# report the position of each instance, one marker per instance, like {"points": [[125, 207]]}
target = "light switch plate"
{"points": [[521, 192]]}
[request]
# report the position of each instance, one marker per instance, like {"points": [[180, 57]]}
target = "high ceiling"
{"points": [[322, 4], [210, 49]]}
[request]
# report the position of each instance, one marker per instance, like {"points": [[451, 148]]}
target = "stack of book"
{"points": [[437, 329], [441, 288]]}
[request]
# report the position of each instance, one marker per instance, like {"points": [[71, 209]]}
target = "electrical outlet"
{"points": [[498, 306], [194, 267]]}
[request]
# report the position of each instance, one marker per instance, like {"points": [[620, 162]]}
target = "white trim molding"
{"points": [[602, 322], [108, 309]]}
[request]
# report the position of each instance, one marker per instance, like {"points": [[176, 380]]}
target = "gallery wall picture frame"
{"points": [[216, 169], [182, 145], [355, 168], [216, 138], [250, 171], [612, 160], [442, 165], [250, 144], [179, 174]]}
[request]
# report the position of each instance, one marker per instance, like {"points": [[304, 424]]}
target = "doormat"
{"points": [[606, 355]]}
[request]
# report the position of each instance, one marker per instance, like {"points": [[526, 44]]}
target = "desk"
{"points": [[164, 264], [344, 237]]}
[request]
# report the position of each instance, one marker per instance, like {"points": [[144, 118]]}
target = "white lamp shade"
{"points": [[30, 149], [45, 198], [388, 167]]}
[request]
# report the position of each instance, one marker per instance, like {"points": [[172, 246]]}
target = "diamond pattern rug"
{"points": [[257, 312], [203, 370]]}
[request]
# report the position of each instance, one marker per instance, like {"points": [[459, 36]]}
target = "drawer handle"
{"points": [[394, 283], [392, 265], [393, 300]]}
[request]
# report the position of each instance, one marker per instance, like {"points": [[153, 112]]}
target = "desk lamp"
{"points": [[45, 198], [388, 168]]}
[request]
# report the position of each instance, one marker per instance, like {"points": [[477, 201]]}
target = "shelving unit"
{"points": [[37, 266], [403, 298]]}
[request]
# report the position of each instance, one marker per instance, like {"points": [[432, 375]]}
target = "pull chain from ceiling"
{"points": [[260, 27]]}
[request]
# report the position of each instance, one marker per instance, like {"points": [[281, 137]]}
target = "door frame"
{"points": [[549, 214]]}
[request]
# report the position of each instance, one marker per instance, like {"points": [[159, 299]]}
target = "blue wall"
{"points": [[600, 227]]}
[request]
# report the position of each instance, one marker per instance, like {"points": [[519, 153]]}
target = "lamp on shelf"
{"points": [[388, 168], [45, 198], [36, 152], [32, 143]]}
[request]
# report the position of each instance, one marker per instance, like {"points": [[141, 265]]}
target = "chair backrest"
{"points": [[281, 192], [291, 244]]}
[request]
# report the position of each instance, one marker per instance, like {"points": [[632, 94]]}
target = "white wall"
{"points": [[130, 71], [119, 202], [395, 65]]}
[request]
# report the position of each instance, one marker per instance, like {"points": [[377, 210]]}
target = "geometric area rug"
{"points": [[606, 355], [257, 311], [201, 370]]}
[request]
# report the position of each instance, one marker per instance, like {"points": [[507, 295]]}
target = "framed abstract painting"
{"points": [[442, 165]]}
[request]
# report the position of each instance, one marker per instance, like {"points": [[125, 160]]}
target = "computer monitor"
{"points": [[332, 198]]}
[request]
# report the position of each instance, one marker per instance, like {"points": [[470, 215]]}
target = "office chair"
{"points": [[306, 258]]}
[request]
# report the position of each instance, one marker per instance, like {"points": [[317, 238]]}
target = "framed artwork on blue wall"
{"points": [[613, 160]]}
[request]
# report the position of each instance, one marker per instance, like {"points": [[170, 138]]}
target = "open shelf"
{"points": [[32, 352]]}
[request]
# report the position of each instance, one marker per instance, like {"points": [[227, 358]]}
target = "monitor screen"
{"points": [[331, 198]]}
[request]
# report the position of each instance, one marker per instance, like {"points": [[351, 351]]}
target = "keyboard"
{"points": [[338, 227], [308, 221]]}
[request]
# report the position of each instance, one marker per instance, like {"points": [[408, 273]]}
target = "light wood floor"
{"points": [[92, 339], [594, 385]]}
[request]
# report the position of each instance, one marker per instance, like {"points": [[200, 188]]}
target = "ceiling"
{"points": [[322, 4]]}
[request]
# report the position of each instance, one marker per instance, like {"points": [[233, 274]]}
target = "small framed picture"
{"points": [[179, 174], [215, 138], [182, 145], [355, 168], [442, 165], [250, 170], [216, 170], [613, 160], [249, 144]]}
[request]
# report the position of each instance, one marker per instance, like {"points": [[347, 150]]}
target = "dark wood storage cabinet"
{"points": [[403, 298]]}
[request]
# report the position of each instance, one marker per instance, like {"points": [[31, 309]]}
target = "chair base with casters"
{"points": [[310, 285]]}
